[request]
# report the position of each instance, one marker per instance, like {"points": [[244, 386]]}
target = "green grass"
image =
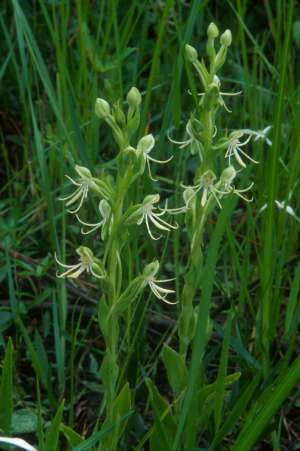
{"points": [[58, 57]]}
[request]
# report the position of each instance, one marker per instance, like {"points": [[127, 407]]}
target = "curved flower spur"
{"points": [[87, 262]]}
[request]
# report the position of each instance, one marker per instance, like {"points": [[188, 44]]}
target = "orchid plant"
{"points": [[118, 217]]}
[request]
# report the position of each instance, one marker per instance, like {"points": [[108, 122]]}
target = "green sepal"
{"points": [[176, 369]]}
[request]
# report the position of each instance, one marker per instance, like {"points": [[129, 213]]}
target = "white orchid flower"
{"points": [[81, 192], [207, 184], [234, 148], [144, 147], [192, 140], [105, 212], [150, 280], [149, 215], [226, 181], [87, 262], [221, 101]]}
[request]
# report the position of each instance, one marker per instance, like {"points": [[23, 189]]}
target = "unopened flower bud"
{"points": [[212, 31], [191, 53], [146, 144], [134, 97], [228, 175], [118, 114], [83, 172], [102, 108], [151, 269], [226, 38], [188, 195]]}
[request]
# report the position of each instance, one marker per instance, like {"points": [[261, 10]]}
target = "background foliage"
{"points": [[57, 57]]}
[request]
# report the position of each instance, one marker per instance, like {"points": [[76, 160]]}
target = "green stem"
{"points": [[192, 278]]}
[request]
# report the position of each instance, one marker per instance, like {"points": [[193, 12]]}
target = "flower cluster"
{"points": [[233, 146], [132, 162]]}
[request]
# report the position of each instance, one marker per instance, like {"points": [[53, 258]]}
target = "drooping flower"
{"points": [[105, 212], [87, 262], [144, 147], [151, 214], [81, 192], [150, 280], [234, 148]]}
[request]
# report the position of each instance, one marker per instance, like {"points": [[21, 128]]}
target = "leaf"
{"points": [[176, 369], [52, 434], [165, 425], [266, 407], [296, 33], [221, 378], [23, 421], [98, 436], [72, 436], [6, 390], [103, 310], [121, 407], [238, 409]]}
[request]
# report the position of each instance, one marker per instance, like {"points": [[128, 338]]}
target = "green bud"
{"points": [[226, 38], [134, 97], [146, 144], [151, 199], [212, 31], [228, 175], [191, 53], [188, 195], [85, 252], [118, 114], [102, 108], [83, 172], [151, 269]]}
